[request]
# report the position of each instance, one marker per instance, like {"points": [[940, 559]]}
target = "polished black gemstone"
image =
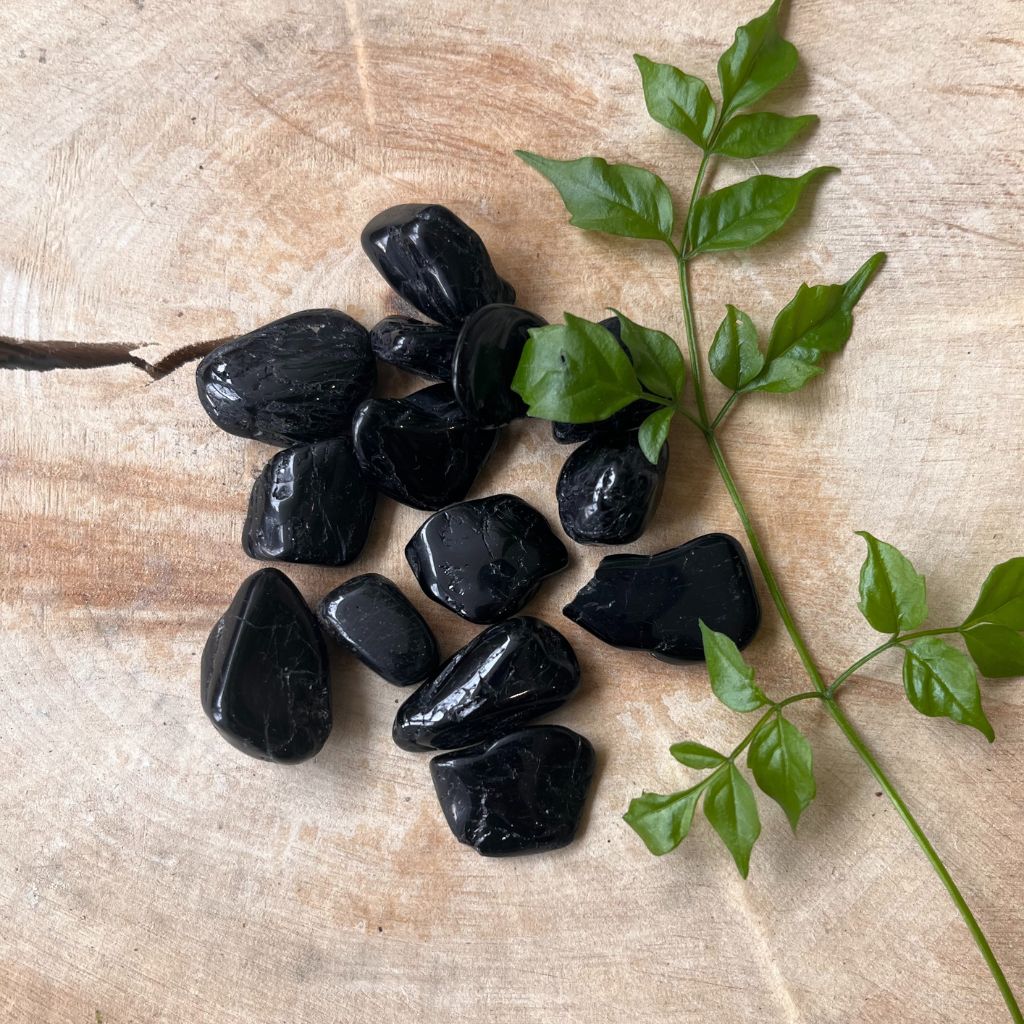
{"points": [[486, 357], [435, 261], [414, 345], [654, 602], [484, 559], [608, 490], [310, 504], [523, 793], [507, 675], [265, 679], [372, 618], [297, 379], [421, 450]]}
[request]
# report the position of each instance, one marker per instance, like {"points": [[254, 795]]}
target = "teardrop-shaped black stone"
{"points": [[310, 504], [608, 490], [523, 793], [484, 559], [421, 450], [486, 357], [299, 378], [655, 602], [265, 678], [507, 675], [415, 346], [371, 617], [435, 261]]}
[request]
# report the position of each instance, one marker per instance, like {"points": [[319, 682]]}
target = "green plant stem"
{"points": [[724, 411], [881, 649], [684, 289]]}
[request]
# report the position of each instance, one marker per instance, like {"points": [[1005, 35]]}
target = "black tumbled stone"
{"points": [[299, 378], [435, 261], [372, 618], [486, 358], [421, 450], [416, 346], [523, 793], [654, 602], [509, 674], [310, 504], [265, 678], [608, 490], [484, 559]]}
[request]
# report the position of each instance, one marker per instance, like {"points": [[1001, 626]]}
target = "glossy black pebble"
{"points": [[372, 618], [608, 490], [299, 378], [507, 675], [310, 504], [421, 450], [265, 678], [486, 357], [484, 559], [414, 345], [524, 793], [435, 261], [653, 602]]}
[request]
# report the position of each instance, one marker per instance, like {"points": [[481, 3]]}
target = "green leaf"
{"points": [[696, 755], [657, 361], [758, 60], [892, 593], [732, 679], [615, 198], [654, 433], [741, 215], [574, 373], [940, 682], [784, 375], [662, 822], [998, 651], [735, 357], [677, 100], [732, 810], [781, 762], [1002, 596], [749, 135]]}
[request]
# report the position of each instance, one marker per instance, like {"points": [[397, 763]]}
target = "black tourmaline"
{"points": [[486, 357], [435, 261], [422, 450], [484, 559], [310, 504], [509, 674], [416, 346], [608, 490], [654, 602], [265, 678], [372, 618], [299, 378], [524, 793]]}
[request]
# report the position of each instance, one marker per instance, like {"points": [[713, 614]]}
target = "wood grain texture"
{"points": [[177, 172]]}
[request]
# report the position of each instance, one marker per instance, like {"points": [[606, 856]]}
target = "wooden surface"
{"points": [[173, 173]]}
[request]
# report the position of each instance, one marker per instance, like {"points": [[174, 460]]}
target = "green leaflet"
{"points": [[696, 755], [677, 100], [940, 682], [662, 822], [780, 760], [749, 135], [998, 651], [758, 60], [618, 199], [735, 358], [654, 433], [892, 593], [730, 806], [1002, 597], [657, 361], [732, 679]]}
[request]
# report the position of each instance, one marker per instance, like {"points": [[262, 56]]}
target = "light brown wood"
{"points": [[173, 173]]}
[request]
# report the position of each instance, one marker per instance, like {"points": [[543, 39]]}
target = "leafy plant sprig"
{"points": [[578, 372]]}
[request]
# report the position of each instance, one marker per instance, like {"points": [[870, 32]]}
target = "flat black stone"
{"points": [[265, 678], [484, 559], [435, 261], [486, 358], [507, 675], [608, 490], [310, 504], [415, 345], [372, 618], [299, 378], [524, 793], [421, 450], [653, 602]]}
